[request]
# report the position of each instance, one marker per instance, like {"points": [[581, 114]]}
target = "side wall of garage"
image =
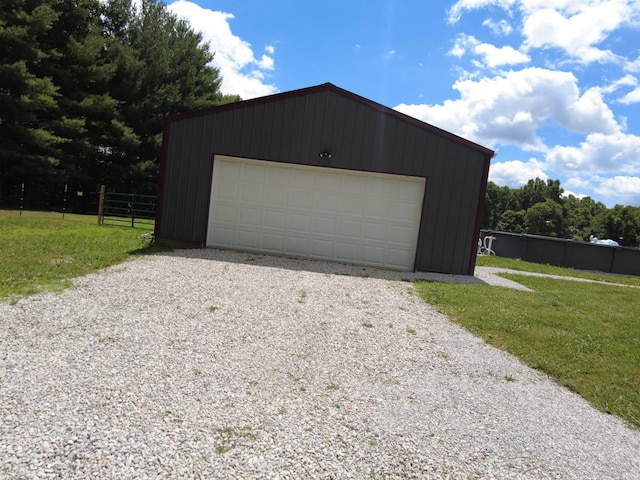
{"points": [[358, 134]]}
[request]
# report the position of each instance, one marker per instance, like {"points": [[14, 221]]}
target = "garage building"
{"points": [[322, 173]]}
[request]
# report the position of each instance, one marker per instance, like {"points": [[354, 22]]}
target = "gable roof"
{"points": [[329, 87]]}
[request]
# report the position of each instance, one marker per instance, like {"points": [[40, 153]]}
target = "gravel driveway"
{"points": [[212, 364]]}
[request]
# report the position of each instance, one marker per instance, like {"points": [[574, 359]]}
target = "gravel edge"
{"points": [[217, 364]]}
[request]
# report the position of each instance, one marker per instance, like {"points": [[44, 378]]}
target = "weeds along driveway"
{"points": [[213, 364]]}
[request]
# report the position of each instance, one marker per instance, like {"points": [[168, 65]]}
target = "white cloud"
{"points": [[509, 109], [500, 28], [631, 97], [574, 26], [624, 190], [576, 34], [456, 11], [515, 173], [633, 66], [241, 72], [492, 56], [627, 81], [270, 49], [599, 154]]}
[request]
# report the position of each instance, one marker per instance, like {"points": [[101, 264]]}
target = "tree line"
{"points": [[85, 85], [541, 208]]}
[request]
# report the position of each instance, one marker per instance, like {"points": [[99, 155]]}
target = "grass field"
{"points": [[584, 335], [41, 251]]}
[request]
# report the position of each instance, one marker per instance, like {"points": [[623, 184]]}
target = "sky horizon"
{"points": [[553, 86]]}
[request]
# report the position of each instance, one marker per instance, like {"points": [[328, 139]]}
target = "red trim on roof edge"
{"points": [[329, 87]]}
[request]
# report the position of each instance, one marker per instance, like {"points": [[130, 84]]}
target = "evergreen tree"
{"points": [[162, 68], [29, 145], [89, 117]]}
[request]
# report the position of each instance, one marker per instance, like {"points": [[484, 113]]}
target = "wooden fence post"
{"points": [[101, 205]]}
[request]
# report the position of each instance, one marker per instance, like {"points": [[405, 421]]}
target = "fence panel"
{"points": [[566, 253], [128, 209]]}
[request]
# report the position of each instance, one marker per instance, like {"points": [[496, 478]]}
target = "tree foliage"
{"points": [[85, 85], [540, 208]]}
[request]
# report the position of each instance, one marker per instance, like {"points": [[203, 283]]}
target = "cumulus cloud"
{"points": [[624, 190], [631, 97], [576, 34], [500, 28], [458, 8], [511, 108], [576, 27], [633, 66], [242, 73], [515, 173], [491, 55], [599, 154]]}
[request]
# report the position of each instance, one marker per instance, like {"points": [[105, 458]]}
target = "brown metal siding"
{"points": [[359, 136]]}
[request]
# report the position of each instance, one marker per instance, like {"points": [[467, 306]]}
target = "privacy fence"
{"points": [[565, 253]]}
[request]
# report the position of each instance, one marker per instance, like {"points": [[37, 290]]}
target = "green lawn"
{"points": [[586, 336], [42, 250]]}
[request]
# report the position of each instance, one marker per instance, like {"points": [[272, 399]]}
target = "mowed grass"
{"points": [[42, 251], [586, 336]]}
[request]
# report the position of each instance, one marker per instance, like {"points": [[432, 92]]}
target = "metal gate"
{"points": [[127, 209]]}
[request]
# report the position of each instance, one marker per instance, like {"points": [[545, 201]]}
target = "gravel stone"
{"points": [[217, 364]]}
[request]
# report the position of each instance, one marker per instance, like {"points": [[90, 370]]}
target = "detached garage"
{"points": [[322, 173]]}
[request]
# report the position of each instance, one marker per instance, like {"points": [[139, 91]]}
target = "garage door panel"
{"points": [[403, 211], [275, 197], [324, 225], [351, 205], [325, 203], [275, 219], [249, 216], [303, 178], [228, 190], [376, 231], [253, 172], [347, 252], [223, 236], [377, 208], [371, 254], [326, 181], [354, 183], [248, 239], [299, 223], [251, 193], [397, 257], [297, 245], [349, 229], [383, 188], [322, 248], [278, 176], [349, 216], [399, 234], [301, 199], [226, 213], [273, 242], [230, 171]]}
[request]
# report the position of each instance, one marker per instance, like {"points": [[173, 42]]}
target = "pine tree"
{"points": [[29, 145], [162, 68]]}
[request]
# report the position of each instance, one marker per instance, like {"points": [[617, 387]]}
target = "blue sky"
{"points": [[553, 86]]}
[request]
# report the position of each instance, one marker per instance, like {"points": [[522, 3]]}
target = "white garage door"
{"points": [[324, 213]]}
